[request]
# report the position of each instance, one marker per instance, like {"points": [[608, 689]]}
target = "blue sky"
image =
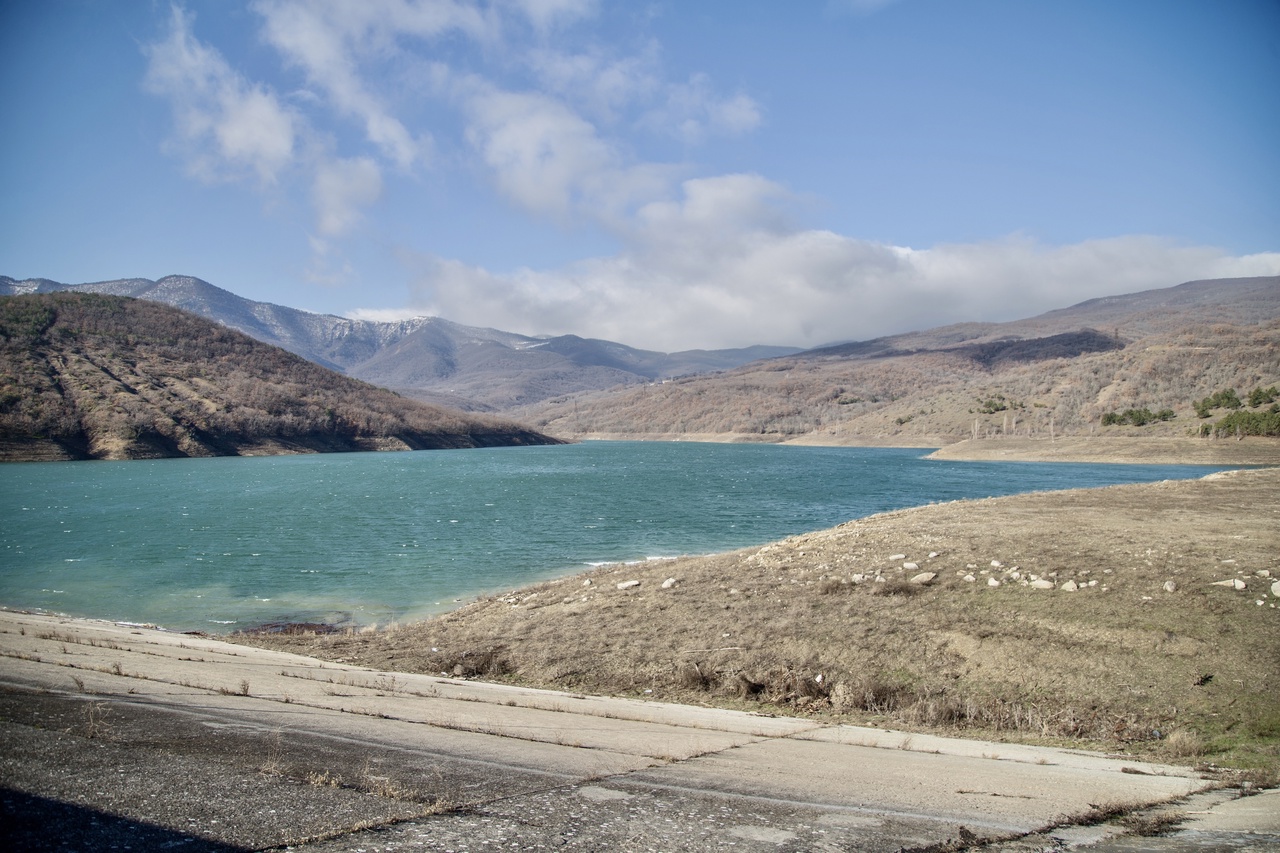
{"points": [[671, 174]]}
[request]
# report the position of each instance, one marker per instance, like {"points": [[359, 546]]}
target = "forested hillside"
{"points": [[88, 376], [1160, 353]]}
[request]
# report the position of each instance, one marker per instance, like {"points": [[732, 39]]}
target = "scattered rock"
{"points": [[1233, 583], [910, 567], [1263, 573], [894, 557], [1275, 589], [1170, 586], [996, 564], [628, 584], [993, 582], [1069, 586], [668, 583], [1042, 584], [587, 582], [924, 578], [933, 554], [969, 579]]}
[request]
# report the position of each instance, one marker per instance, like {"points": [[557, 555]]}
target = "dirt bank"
{"points": [[1154, 451]]}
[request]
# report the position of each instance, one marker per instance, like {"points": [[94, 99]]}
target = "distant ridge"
{"points": [[1055, 374], [428, 358], [98, 376]]}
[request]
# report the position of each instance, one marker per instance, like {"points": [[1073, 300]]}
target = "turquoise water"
{"points": [[220, 544]]}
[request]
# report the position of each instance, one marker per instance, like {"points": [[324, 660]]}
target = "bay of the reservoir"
{"points": [[225, 543]]}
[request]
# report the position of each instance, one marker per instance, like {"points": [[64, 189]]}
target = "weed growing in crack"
{"points": [[96, 726], [1152, 825]]}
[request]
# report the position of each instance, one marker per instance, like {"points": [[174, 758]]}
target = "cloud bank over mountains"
{"points": [[571, 128], [803, 288]]}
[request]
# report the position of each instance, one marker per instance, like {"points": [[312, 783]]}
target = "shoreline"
{"points": [[1125, 450], [1138, 581]]}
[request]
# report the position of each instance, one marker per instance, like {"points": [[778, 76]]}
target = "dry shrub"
{"points": [[490, 662], [747, 688], [941, 708], [695, 676], [1183, 743], [870, 691], [793, 687]]}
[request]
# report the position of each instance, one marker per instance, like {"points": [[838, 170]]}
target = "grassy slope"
{"points": [[1109, 664]]}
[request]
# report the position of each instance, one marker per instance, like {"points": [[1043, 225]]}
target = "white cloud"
{"points": [[342, 188], [549, 150], [550, 160], [544, 14], [717, 270], [328, 39], [227, 128], [600, 85], [693, 111]]}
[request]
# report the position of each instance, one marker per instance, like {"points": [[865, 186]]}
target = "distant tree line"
{"points": [[1240, 422], [1137, 417]]}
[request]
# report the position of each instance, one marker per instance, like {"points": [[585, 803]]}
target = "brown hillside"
{"points": [[1159, 350], [87, 376]]}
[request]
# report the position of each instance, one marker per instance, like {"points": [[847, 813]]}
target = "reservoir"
{"points": [[369, 538]]}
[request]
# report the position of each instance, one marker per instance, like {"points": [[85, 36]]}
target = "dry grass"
{"points": [[802, 627]]}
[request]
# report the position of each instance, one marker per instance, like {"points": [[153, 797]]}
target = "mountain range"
{"points": [[426, 358], [1064, 371]]}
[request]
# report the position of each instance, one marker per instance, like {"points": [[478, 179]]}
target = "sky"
{"points": [[670, 175]]}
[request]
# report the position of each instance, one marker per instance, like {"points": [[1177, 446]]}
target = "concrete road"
{"points": [[124, 736]]}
